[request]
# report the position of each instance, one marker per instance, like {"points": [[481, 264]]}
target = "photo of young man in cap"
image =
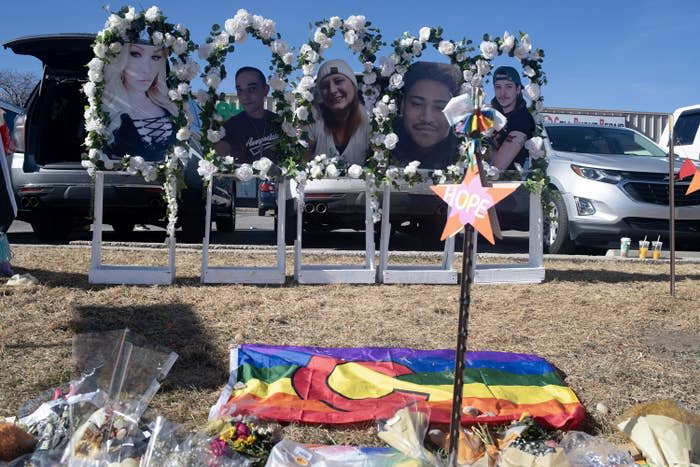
{"points": [[508, 144], [424, 132]]}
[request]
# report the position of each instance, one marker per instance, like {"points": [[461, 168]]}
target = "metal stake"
{"points": [[672, 205], [464, 301]]}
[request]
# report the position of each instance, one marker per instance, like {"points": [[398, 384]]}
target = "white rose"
{"points": [[183, 134], [356, 22], [221, 40], [157, 38], [174, 95], [535, 147], [381, 110], [488, 49], [396, 81], [202, 97], [392, 173], [169, 39], [89, 89], [183, 88], [417, 48], [319, 36], [180, 46], [439, 176], [277, 83], [95, 76], [369, 78], [242, 16], [181, 153], [115, 48], [289, 129], [508, 42], [262, 165], [153, 14], [355, 171], [522, 51], [228, 160], [335, 22], [316, 171], [212, 79], [424, 34], [206, 169], [309, 69], [387, 66], [331, 171], [305, 83], [350, 37], [100, 50], [279, 47], [302, 113], [257, 21], [213, 136], [267, 29], [390, 141], [406, 42], [446, 47], [130, 14], [288, 58], [533, 91], [95, 64], [244, 172]]}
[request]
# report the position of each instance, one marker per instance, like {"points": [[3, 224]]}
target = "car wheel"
{"points": [[48, 228], [123, 228], [556, 227]]}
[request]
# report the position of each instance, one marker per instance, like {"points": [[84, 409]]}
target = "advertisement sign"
{"points": [[585, 119]]}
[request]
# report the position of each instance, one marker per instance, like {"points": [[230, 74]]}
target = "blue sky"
{"points": [[625, 55]]}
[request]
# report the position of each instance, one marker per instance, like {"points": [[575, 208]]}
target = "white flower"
{"points": [[153, 14], [183, 88], [316, 171], [424, 34], [157, 38], [528, 71], [392, 173], [533, 91], [117, 24], [95, 64], [179, 27], [228, 160], [396, 81], [262, 165], [390, 141], [115, 48], [369, 78], [535, 147], [439, 176], [508, 42], [331, 171], [279, 47], [202, 97], [206, 169], [446, 47], [89, 89], [356, 22], [289, 129], [181, 153], [277, 83], [267, 29], [488, 49], [483, 67], [213, 78], [323, 41], [522, 51], [221, 40], [350, 37], [174, 95], [183, 134], [169, 39], [355, 171], [180, 46], [387, 66], [288, 58], [131, 14], [100, 50], [406, 42], [381, 110], [302, 113], [309, 69], [244, 172], [95, 76], [417, 48], [335, 22], [214, 136]]}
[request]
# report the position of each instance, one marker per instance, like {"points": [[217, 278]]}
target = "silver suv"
{"points": [[612, 182]]}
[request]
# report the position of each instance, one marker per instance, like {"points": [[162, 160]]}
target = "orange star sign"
{"points": [[694, 183], [469, 203]]}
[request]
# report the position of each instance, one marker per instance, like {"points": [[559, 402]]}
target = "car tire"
{"points": [[261, 212], [556, 228], [123, 228], [50, 228]]}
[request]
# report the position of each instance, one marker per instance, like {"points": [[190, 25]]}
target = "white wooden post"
{"points": [[336, 273], [442, 273], [100, 273], [518, 273], [246, 274]]}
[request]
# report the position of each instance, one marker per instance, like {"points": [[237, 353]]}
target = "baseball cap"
{"points": [[333, 67], [507, 72]]}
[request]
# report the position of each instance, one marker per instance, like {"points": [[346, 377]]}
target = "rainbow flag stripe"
{"points": [[351, 385]]}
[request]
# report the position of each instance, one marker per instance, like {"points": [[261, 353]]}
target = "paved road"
{"points": [[252, 229]]}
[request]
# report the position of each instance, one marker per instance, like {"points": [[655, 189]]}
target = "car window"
{"points": [[601, 140], [686, 128]]}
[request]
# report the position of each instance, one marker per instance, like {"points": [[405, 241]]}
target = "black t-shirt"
{"points": [[518, 120], [252, 138], [440, 156]]}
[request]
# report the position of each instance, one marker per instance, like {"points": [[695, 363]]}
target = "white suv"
{"points": [[686, 132]]}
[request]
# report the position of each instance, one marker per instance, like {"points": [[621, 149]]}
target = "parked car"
{"points": [[54, 191], [612, 182], [11, 112], [267, 197], [686, 132]]}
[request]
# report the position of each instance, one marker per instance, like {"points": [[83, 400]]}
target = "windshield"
{"points": [[601, 140]]}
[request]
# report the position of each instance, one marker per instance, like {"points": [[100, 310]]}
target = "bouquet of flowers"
{"points": [[243, 435]]}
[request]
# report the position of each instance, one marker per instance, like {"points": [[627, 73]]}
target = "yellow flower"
{"points": [[250, 440], [228, 434]]}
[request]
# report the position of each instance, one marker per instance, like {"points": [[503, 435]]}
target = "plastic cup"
{"points": [[656, 249], [625, 246], [643, 249]]}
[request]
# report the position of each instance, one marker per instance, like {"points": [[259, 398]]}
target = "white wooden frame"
{"points": [[247, 274], [518, 273], [443, 273], [336, 273], [100, 273]]}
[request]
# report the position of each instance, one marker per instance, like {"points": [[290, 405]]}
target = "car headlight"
{"points": [[599, 175]]}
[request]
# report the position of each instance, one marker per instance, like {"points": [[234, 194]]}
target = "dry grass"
{"points": [[610, 326]]}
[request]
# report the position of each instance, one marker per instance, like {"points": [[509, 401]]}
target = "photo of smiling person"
{"points": [[424, 132], [136, 99], [508, 143], [341, 126]]}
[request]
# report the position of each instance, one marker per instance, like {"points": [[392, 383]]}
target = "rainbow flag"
{"points": [[351, 385]]}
